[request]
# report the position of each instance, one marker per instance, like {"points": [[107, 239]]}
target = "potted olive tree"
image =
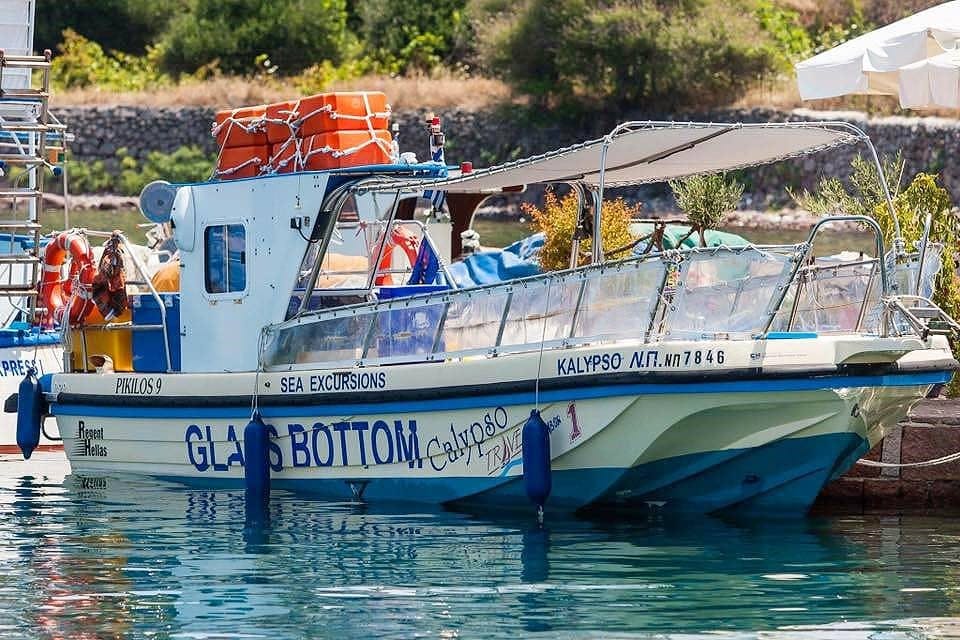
{"points": [[706, 199]]}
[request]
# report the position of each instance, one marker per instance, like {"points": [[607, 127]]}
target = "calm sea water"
{"points": [[115, 558]]}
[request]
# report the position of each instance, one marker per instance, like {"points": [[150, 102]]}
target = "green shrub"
{"points": [[403, 36], [89, 177], [318, 78], [558, 221], [84, 63], [294, 34], [186, 164], [619, 55], [864, 195]]}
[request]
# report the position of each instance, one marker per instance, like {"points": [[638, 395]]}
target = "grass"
{"points": [[433, 92], [443, 91]]}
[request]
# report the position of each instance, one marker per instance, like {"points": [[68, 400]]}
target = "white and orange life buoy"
{"points": [[57, 294], [408, 244]]}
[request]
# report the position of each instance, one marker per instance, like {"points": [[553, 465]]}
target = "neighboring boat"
{"points": [[23, 345], [698, 379], [32, 141]]}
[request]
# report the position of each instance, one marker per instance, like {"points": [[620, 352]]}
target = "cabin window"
{"points": [[225, 267]]}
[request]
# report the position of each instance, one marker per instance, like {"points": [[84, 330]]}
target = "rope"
{"points": [[253, 160], [903, 465], [256, 125], [543, 338], [274, 164], [255, 398]]}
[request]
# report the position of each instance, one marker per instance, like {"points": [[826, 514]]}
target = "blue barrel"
{"points": [[536, 459], [256, 469], [29, 414]]}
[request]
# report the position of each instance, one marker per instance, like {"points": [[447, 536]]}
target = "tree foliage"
{"points": [[706, 199], [865, 195], [293, 34], [402, 36], [117, 25], [628, 54]]}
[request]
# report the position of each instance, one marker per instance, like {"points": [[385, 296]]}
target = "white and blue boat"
{"points": [[22, 344], [32, 141], [704, 379]]}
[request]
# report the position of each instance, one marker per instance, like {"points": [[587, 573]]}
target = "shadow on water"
{"points": [[96, 557]]}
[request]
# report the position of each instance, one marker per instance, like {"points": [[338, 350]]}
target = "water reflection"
{"points": [[95, 558]]}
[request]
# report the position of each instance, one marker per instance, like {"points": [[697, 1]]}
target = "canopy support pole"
{"points": [[579, 232], [597, 256]]}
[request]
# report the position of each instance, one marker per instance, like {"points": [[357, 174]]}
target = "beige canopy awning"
{"points": [[647, 152]]}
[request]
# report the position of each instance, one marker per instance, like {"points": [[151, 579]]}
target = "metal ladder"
{"points": [[925, 317], [33, 139]]}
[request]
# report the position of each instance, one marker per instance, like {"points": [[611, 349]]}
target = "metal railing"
{"points": [[725, 291]]}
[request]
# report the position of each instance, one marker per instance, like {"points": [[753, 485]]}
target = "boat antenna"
{"points": [[898, 242]]}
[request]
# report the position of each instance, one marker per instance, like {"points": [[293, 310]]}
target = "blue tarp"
{"points": [[518, 260]]}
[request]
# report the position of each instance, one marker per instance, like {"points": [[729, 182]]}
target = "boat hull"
{"points": [[761, 445]]}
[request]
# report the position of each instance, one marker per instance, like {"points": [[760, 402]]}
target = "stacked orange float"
{"points": [[325, 131]]}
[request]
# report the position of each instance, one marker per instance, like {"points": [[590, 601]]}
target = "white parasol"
{"points": [[916, 58]]}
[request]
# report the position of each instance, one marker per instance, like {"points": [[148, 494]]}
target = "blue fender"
{"points": [[536, 459], [29, 413], [256, 469]]}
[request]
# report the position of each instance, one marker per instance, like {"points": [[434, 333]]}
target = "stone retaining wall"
{"points": [[492, 136], [931, 431]]}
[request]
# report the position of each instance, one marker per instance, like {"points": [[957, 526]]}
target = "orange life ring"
{"points": [[58, 294], [406, 242]]}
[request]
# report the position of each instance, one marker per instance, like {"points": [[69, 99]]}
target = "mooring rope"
{"points": [[900, 465], [255, 398]]}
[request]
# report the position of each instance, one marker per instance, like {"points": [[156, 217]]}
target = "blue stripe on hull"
{"points": [[783, 477], [772, 385]]}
